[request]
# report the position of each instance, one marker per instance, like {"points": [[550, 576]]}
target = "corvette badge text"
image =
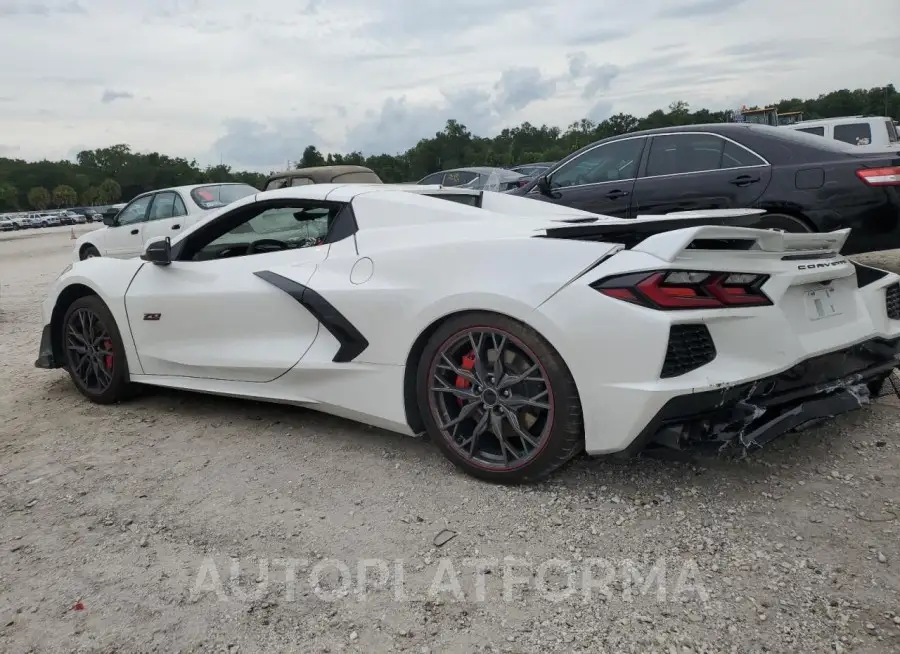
{"points": [[447, 579], [812, 266]]}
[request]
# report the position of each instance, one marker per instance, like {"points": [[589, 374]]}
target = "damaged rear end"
{"points": [[768, 332]]}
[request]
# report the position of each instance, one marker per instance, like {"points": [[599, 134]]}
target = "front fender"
{"points": [[106, 278]]}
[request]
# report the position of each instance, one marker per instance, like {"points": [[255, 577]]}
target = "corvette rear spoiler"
{"points": [[797, 246], [632, 231], [720, 229]]}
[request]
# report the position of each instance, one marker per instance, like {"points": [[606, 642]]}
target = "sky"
{"points": [[251, 84]]}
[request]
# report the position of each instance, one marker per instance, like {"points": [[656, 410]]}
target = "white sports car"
{"points": [[164, 212], [513, 334]]}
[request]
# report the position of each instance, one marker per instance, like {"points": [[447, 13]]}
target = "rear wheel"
{"points": [[89, 251], [498, 400], [782, 222], [94, 353]]}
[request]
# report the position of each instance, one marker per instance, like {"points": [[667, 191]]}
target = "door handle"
{"points": [[616, 194], [744, 180], [176, 226], [134, 231]]}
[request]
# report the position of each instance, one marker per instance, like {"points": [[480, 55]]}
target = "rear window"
{"points": [[218, 195], [818, 131], [462, 198], [357, 178], [853, 133]]}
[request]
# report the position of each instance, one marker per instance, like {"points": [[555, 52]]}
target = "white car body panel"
{"points": [[416, 260]]}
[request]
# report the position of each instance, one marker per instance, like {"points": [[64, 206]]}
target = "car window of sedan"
{"points": [[135, 212], [605, 163], [163, 206], [676, 154], [434, 178], [459, 177], [180, 209]]}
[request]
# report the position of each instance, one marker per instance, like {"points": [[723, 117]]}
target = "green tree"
{"points": [[110, 191], [64, 196], [90, 196], [9, 197], [311, 157], [39, 198]]}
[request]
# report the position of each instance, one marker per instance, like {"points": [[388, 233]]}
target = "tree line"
{"points": [[116, 173]]}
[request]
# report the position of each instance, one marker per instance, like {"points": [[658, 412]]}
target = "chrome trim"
{"points": [[647, 136]]}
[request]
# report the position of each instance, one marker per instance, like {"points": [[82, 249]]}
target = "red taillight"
{"points": [[686, 289], [880, 176]]}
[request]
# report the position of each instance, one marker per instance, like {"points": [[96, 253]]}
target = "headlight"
{"points": [[64, 271]]}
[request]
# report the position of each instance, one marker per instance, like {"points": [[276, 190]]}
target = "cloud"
{"points": [[519, 87], [111, 96], [254, 84], [595, 78], [26, 8], [8, 150], [699, 8], [264, 146]]}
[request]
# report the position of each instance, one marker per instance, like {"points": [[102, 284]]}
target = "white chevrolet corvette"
{"points": [[514, 333]]}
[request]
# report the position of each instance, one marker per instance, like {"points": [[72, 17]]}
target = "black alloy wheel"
{"points": [[498, 400], [94, 355]]}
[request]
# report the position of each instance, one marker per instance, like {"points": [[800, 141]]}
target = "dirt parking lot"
{"points": [[181, 522]]}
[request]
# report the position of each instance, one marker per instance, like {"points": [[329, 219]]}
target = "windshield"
{"points": [[218, 195]]}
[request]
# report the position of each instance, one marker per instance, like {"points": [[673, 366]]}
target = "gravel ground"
{"points": [[120, 527]]}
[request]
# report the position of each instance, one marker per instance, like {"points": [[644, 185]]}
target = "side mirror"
{"points": [[543, 185], [158, 251], [109, 219]]}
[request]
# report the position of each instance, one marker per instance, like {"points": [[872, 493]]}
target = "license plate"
{"points": [[822, 303]]}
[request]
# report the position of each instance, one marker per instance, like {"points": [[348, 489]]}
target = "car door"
{"points": [[124, 239], [695, 170], [214, 313], [165, 216], [599, 180]]}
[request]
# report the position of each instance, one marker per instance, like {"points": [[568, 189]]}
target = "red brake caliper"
{"points": [[468, 363], [109, 357]]}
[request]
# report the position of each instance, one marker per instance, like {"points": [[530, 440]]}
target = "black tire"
{"points": [[89, 251], [114, 364], [562, 432], [782, 222]]}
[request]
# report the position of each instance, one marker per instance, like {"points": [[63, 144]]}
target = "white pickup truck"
{"points": [[878, 133]]}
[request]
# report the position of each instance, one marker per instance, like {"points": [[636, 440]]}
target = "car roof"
{"points": [[188, 188], [346, 192], [324, 173]]}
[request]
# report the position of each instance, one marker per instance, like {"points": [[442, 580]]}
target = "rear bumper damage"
{"points": [[748, 416]]}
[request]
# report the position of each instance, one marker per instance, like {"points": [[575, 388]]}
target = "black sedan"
{"points": [[803, 182]]}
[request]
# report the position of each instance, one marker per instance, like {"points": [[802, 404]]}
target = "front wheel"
{"points": [[94, 352], [498, 400]]}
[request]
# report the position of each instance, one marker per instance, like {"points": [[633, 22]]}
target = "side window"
{"points": [[301, 181], [434, 178], [135, 212], [818, 131], [277, 183], [735, 156], [273, 228], [605, 163], [163, 206], [459, 177], [853, 133], [180, 209], [684, 153], [893, 137]]}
